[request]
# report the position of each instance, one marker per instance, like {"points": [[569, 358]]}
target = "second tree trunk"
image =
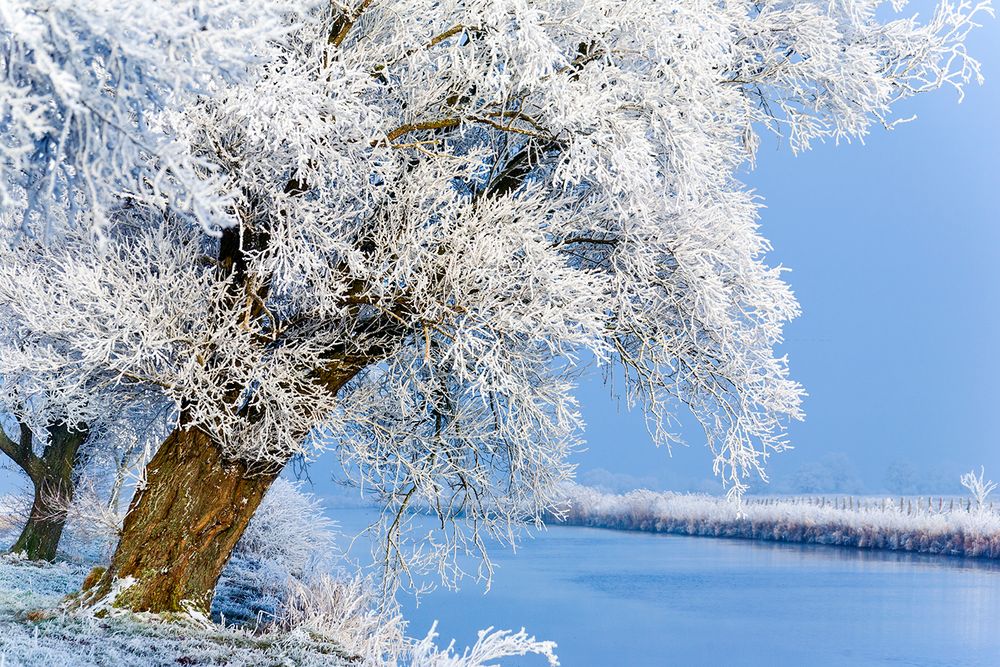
{"points": [[54, 480]]}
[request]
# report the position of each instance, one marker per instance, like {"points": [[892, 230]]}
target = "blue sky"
{"points": [[894, 248]]}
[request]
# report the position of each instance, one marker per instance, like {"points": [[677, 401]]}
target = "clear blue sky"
{"points": [[894, 248]]}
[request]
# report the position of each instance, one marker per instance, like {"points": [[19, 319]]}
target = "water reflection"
{"points": [[633, 599], [812, 551]]}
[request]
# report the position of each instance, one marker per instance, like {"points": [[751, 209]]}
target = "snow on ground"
{"points": [[303, 617], [870, 524], [33, 631]]}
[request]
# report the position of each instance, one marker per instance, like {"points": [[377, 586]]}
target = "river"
{"points": [[623, 599]]}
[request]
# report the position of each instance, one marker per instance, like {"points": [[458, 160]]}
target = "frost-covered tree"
{"points": [[83, 82], [53, 481], [978, 487], [59, 452], [435, 211], [66, 422], [58, 442]]}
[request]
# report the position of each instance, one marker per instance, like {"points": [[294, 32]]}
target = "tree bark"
{"points": [[39, 540], [53, 477], [182, 526]]}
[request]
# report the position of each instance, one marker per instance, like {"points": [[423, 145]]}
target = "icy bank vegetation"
{"points": [[286, 598], [34, 631], [921, 525]]}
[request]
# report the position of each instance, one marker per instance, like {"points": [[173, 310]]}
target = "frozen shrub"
{"points": [[979, 488], [289, 540], [92, 526], [346, 611], [492, 644]]}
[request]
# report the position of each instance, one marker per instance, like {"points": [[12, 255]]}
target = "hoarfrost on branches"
{"points": [[979, 487], [434, 212], [490, 646], [83, 87]]}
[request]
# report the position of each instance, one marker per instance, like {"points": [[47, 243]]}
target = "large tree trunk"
{"points": [[181, 526], [54, 481]]}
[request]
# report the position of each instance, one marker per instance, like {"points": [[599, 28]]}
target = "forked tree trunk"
{"points": [[54, 481], [182, 526]]}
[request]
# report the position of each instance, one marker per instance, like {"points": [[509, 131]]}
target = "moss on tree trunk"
{"points": [[54, 480], [182, 526], [39, 540]]}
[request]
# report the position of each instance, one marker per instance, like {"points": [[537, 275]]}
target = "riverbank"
{"points": [[892, 524]]}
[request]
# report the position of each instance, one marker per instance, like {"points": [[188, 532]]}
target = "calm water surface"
{"points": [[624, 599]]}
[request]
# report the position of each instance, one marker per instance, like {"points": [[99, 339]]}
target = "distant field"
{"points": [[8, 517], [926, 524]]}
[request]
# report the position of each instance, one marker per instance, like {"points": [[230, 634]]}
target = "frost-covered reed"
{"points": [[932, 526]]}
